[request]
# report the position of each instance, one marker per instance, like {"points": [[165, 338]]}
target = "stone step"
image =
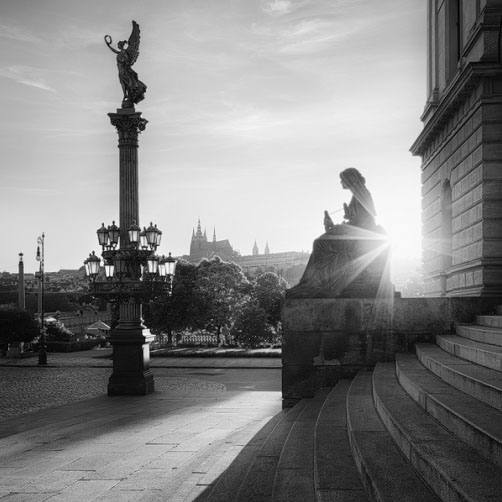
{"points": [[385, 473], [493, 321], [482, 383], [489, 356], [336, 476], [454, 470], [476, 423], [257, 483], [481, 334], [294, 476]]}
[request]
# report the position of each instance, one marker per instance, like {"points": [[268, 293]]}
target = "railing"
{"points": [[206, 339]]}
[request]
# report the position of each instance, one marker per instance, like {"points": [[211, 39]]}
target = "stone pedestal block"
{"points": [[131, 363], [328, 339]]}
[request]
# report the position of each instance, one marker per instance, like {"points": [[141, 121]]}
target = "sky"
{"points": [[254, 107]]}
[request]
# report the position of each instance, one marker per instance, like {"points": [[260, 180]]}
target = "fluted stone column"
{"points": [[130, 339]]}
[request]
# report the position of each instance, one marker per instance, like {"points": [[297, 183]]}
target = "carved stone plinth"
{"points": [[131, 363], [327, 339]]}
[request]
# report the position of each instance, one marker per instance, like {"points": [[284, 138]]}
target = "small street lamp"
{"points": [[42, 354]]}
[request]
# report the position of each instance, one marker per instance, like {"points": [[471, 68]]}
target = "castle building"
{"points": [[280, 263], [461, 149], [201, 248]]}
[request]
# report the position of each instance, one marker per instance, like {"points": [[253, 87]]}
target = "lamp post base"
{"points": [[131, 363]]}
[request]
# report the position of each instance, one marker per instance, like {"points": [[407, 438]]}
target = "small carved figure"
{"points": [[132, 88], [328, 222]]}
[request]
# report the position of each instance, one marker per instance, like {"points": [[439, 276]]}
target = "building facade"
{"points": [[461, 149]]}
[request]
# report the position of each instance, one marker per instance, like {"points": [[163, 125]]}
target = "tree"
{"points": [[177, 311], [268, 292], [220, 288], [17, 326], [250, 327]]}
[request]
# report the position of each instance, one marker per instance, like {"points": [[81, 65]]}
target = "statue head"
{"points": [[121, 44], [351, 178]]}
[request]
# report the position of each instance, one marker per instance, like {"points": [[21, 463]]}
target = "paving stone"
{"points": [[61, 445]]}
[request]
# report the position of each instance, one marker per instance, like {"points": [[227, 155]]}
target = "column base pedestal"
{"points": [[131, 363]]}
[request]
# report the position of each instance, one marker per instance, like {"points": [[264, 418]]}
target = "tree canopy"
{"points": [[214, 295], [17, 326]]}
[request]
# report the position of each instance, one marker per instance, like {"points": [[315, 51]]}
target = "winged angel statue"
{"points": [[132, 87]]}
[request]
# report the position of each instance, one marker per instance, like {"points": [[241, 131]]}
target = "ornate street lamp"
{"points": [[134, 233], [92, 265], [132, 272], [143, 243]]}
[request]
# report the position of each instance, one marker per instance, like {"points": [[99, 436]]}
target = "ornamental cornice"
{"points": [[442, 110]]}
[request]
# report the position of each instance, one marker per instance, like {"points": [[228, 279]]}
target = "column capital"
{"points": [[129, 124]]}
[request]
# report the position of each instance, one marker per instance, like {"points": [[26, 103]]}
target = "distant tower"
{"points": [[256, 251], [267, 249], [21, 303], [214, 234], [198, 243]]}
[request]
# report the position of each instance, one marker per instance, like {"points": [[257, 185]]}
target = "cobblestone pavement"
{"points": [[102, 358], [25, 390], [74, 378]]}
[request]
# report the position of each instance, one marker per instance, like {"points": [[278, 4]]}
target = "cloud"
{"points": [[76, 36], [26, 75], [306, 36], [15, 33], [276, 8]]}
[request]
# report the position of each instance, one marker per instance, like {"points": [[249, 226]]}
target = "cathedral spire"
{"points": [[256, 251], [267, 249], [214, 234], [199, 231]]}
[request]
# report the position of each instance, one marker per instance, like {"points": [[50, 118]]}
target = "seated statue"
{"points": [[350, 259]]}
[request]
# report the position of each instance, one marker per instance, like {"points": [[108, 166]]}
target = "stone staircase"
{"points": [[425, 428]]}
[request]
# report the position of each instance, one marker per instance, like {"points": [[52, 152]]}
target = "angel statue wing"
{"points": [[133, 44]]}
